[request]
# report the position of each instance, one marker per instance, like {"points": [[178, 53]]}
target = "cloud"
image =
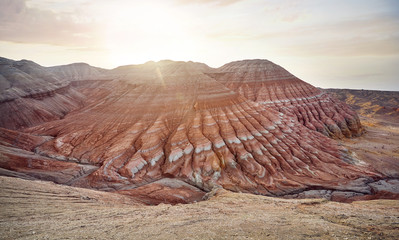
{"points": [[10, 9], [371, 35], [357, 46], [23, 24], [215, 2]]}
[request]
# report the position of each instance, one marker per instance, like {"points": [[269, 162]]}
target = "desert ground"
{"points": [[379, 115], [43, 210]]}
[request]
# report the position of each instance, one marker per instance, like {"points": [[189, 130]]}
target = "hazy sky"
{"points": [[337, 43]]}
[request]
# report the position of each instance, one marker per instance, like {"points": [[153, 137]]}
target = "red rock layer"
{"points": [[167, 190], [272, 86], [20, 140], [176, 122], [28, 111], [18, 159]]}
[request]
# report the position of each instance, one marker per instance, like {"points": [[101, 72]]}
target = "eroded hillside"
{"points": [[172, 131]]}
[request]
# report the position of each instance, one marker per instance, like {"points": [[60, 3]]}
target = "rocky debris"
{"points": [[382, 189], [390, 185], [271, 85], [326, 194]]}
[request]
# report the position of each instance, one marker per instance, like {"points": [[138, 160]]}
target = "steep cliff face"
{"points": [[178, 122], [270, 85]]}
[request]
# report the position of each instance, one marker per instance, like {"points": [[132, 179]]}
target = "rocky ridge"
{"points": [[78, 71]]}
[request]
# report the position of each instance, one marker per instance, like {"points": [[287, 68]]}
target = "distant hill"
{"points": [[370, 103]]}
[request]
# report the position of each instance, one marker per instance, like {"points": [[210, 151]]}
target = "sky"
{"points": [[328, 43]]}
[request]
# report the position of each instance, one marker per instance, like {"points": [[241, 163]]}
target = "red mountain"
{"points": [[158, 125]]}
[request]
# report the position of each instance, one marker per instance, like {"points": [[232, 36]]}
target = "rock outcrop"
{"points": [[271, 85]]}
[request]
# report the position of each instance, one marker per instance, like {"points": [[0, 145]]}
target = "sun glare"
{"points": [[153, 27]]}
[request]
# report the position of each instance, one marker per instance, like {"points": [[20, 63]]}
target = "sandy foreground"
{"points": [[43, 210]]}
